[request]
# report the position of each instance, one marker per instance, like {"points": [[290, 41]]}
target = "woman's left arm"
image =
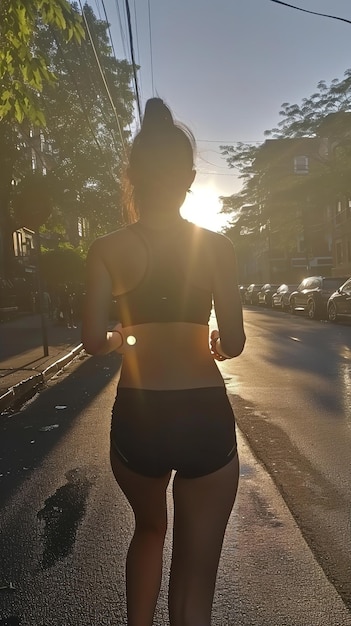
{"points": [[229, 340], [96, 338]]}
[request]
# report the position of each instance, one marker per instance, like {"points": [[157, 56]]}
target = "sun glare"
{"points": [[202, 207]]}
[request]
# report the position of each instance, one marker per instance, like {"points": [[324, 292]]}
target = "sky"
{"points": [[225, 67]]}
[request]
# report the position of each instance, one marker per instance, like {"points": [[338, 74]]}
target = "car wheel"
{"points": [[332, 312], [312, 309]]}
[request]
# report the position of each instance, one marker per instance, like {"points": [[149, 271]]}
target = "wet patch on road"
{"points": [[62, 514], [246, 470], [263, 512]]}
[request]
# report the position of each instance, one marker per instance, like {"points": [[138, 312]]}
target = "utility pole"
{"points": [[44, 330], [306, 236]]}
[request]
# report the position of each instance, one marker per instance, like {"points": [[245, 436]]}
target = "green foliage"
{"points": [[81, 147], [82, 150], [88, 155], [267, 193], [66, 264], [24, 69], [32, 201], [304, 120]]}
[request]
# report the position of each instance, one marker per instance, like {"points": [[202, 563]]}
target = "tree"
{"points": [[82, 149], [23, 72], [24, 69], [88, 126], [325, 114], [304, 120], [62, 266]]}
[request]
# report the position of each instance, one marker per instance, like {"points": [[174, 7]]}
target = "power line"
{"points": [[332, 17], [98, 9], [133, 60], [151, 54], [204, 172], [226, 142], [124, 41], [121, 30], [111, 41], [224, 167], [83, 107], [138, 49], [109, 29], [103, 78]]}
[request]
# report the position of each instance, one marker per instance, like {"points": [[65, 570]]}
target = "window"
{"points": [[83, 227], [331, 284], [339, 252], [300, 245], [347, 288], [338, 212], [313, 283], [305, 284], [301, 165], [349, 250], [348, 208]]}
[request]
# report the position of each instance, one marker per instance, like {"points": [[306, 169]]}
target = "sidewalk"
{"points": [[23, 366]]}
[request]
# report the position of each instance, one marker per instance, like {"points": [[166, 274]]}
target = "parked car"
{"points": [[251, 293], [312, 295], [280, 299], [242, 291], [265, 295], [339, 303]]}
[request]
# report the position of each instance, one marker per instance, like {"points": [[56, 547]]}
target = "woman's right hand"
{"points": [[214, 337], [117, 339]]}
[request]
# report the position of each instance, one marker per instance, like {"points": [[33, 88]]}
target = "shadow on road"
{"points": [[27, 437]]}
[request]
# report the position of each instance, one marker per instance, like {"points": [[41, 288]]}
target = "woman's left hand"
{"points": [[117, 337], [214, 336]]}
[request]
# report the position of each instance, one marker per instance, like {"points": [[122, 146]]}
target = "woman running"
{"points": [[171, 412]]}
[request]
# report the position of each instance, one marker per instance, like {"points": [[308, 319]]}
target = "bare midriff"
{"points": [[173, 355]]}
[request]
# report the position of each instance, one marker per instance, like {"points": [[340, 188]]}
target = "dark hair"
{"points": [[163, 148]]}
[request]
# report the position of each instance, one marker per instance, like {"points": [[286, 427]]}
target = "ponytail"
{"points": [[157, 117], [162, 151]]}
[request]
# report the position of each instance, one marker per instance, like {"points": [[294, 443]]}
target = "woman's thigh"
{"points": [[146, 495], [202, 507]]}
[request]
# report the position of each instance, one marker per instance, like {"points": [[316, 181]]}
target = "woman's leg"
{"points": [[147, 497], [201, 511]]}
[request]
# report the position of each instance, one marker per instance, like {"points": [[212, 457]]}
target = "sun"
{"points": [[202, 207]]}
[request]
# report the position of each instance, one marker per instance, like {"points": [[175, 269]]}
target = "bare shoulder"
{"points": [[216, 243], [113, 243]]}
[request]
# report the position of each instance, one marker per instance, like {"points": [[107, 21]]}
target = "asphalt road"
{"points": [[292, 393], [65, 527]]}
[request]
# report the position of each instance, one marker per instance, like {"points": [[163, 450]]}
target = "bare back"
{"points": [[165, 321]]}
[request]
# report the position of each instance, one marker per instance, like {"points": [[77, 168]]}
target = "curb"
{"points": [[27, 388]]}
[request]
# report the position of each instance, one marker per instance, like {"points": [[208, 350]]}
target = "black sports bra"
{"points": [[166, 292]]}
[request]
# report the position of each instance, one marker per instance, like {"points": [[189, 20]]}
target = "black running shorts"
{"points": [[191, 431]]}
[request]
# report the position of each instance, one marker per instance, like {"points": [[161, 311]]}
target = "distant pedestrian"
{"points": [[46, 300], [171, 411], [68, 307], [55, 305]]}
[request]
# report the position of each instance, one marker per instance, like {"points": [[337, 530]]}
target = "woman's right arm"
{"points": [[227, 301], [95, 336]]}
